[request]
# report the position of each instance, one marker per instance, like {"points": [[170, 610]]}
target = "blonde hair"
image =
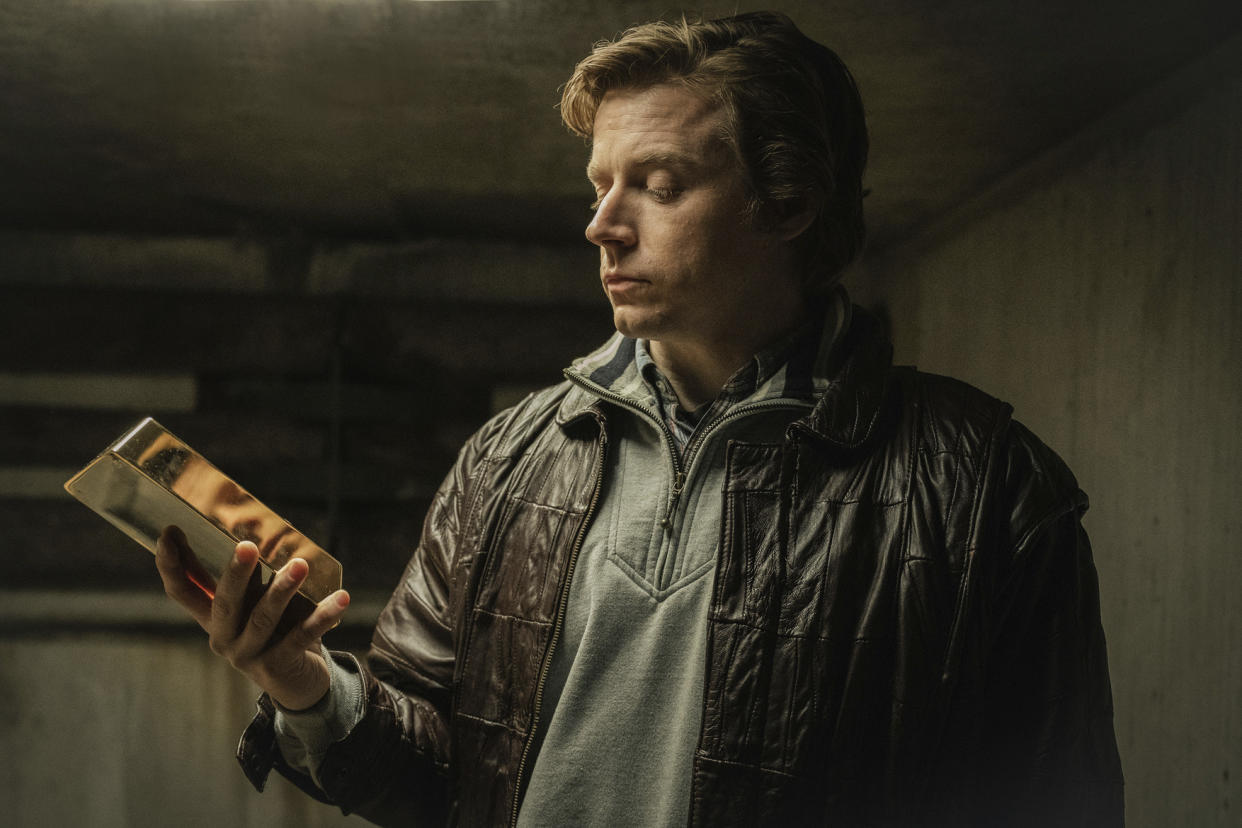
{"points": [[794, 120]]}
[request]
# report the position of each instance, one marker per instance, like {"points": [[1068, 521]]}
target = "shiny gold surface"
{"points": [[149, 479]]}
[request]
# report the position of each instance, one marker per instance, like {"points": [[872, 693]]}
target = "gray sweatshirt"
{"points": [[624, 696]]}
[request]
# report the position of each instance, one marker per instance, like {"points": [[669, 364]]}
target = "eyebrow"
{"points": [[678, 161]]}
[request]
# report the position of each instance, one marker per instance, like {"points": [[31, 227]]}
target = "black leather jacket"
{"points": [[904, 628]]}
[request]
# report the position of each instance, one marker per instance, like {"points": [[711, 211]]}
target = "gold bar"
{"points": [[149, 479]]}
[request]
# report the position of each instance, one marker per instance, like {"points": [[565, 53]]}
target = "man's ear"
{"points": [[799, 215]]}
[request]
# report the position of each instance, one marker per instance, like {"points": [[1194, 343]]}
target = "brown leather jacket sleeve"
{"points": [[1048, 750], [392, 767]]}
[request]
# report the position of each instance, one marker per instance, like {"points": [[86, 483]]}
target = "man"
{"points": [[736, 569]]}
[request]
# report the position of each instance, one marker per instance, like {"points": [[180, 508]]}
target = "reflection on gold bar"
{"points": [[148, 479]]}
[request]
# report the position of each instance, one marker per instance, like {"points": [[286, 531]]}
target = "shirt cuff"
{"points": [[304, 736]]}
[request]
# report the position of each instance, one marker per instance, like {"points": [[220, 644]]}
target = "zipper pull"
{"points": [[679, 482]]}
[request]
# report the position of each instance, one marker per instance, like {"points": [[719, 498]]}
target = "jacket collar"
{"points": [[609, 366], [859, 386], [851, 382]]}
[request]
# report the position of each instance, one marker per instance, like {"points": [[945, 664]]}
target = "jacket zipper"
{"points": [[557, 623], [674, 454]]}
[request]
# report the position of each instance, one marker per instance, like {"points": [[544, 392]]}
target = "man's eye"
{"points": [[663, 194], [595, 204]]}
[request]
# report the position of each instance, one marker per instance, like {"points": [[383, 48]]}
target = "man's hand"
{"points": [[290, 669]]}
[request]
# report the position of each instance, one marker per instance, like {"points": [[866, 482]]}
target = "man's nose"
{"points": [[612, 223]]}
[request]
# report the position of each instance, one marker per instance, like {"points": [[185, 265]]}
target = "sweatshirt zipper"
{"points": [[679, 480], [557, 623], [699, 437], [674, 453]]}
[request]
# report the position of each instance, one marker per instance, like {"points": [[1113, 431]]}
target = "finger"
{"points": [[174, 561], [254, 591], [228, 610], [327, 615], [269, 608], [294, 666]]}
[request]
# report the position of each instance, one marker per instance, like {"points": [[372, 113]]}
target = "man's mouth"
{"points": [[621, 279], [618, 286]]}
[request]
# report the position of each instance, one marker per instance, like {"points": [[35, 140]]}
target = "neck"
{"points": [[697, 370]]}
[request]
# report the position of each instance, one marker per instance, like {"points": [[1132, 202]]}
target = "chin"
{"points": [[623, 327], [633, 324]]}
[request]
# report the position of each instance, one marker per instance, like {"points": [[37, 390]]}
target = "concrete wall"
{"points": [[132, 730], [1100, 291]]}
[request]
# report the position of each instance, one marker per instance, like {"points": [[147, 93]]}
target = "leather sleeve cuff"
{"points": [[258, 754]]}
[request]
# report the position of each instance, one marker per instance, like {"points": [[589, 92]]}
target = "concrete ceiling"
{"points": [[405, 119]]}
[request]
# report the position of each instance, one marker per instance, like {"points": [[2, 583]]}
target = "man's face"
{"points": [[678, 260]]}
